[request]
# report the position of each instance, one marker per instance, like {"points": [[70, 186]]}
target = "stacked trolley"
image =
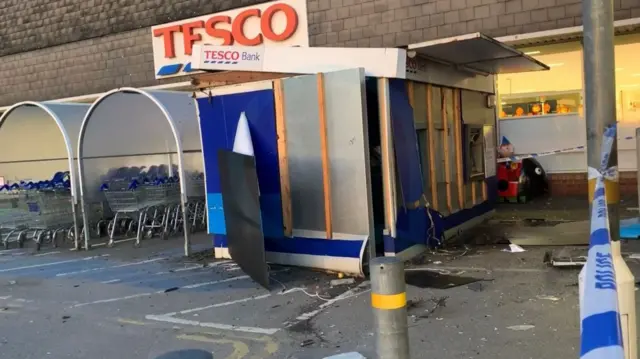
{"points": [[148, 205], [39, 211]]}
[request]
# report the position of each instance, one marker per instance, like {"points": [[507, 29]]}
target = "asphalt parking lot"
{"points": [[139, 303], [479, 303]]}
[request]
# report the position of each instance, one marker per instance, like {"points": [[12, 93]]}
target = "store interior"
{"points": [[559, 90]]}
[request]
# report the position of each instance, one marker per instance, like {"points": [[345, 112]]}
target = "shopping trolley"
{"points": [[42, 211], [147, 207], [196, 203], [14, 218], [51, 216]]}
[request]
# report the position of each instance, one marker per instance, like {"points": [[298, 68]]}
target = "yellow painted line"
{"points": [[240, 349], [388, 301], [270, 346], [130, 321]]}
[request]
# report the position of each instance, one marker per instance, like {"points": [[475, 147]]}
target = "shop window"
{"points": [[557, 91], [627, 70]]}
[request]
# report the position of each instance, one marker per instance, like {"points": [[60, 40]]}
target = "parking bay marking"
{"points": [[191, 286], [171, 317], [51, 263], [112, 267]]}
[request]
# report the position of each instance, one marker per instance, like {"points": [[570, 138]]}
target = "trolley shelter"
{"points": [[140, 163], [38, 142], [350, 147]]}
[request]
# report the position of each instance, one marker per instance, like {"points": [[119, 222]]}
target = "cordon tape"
{"points": [[516, 158], [601, 332]]}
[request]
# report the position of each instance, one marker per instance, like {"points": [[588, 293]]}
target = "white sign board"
{"points": [[490, 149], [276, 23], [377, 62]]}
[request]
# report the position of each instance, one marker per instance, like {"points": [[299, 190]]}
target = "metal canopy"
{"points": [[479, 53]]}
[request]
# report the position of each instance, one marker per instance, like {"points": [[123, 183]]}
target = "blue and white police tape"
{"points": [[601, 331], [515, 158]]}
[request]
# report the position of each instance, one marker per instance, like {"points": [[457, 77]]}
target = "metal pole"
{"points": [[389, 303], [600, 96], [600, 112]]}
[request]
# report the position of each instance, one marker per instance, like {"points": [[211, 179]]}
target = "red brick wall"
{"points": [[575, 184]]}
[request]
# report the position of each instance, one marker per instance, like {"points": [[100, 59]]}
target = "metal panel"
{"points": [[239, 184], [50, 132], [423, 70], [97, 170], [219, 117], [126, 124], [70, 116], [411, 218], [124, 130], [303, 149], [29, 133], [182, 109], [348, 146], [478, 52], [474, 109]]}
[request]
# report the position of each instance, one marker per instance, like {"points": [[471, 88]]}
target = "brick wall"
{"points": [[79, 68], [399, 22], [60, 48], [575, 184], [27, 25]]}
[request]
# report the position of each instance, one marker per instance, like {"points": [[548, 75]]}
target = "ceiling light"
{"points": [[532, 52], [556, 64]]}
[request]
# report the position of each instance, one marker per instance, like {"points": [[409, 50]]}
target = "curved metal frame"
{"points": [[70, 153], [176, 135]]}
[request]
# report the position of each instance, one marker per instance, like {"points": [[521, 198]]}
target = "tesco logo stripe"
{"points": [[221, 62], [168, 70]]}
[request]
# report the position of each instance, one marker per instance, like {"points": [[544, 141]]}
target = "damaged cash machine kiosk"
{"points": [[349, 150]]}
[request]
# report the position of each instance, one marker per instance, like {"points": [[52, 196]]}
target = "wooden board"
{"points": [[473, 192], [283, 161], [445, 145], [431, 130], [224, 78], [485, 195], [326, 176], [457, 135]]}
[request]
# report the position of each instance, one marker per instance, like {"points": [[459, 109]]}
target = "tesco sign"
{"points": [[277, 23], [222, 55]]}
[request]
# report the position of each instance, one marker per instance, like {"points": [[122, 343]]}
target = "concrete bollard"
{"points": [[389, 303]]}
